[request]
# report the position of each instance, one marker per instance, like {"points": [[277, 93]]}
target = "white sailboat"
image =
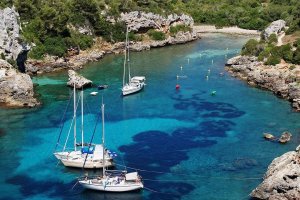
{"points": [[136, 83], [91, 154], [112, 180]]}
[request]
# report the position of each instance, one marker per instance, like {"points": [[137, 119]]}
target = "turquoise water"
{"points": [[188, 143]]}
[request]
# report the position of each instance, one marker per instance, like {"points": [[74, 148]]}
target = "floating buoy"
{"points": [[177, 86], [213, 93], [206, 77], [181, 67], [208, 71]]}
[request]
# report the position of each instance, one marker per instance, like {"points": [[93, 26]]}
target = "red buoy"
{"points": [[177, 87]]}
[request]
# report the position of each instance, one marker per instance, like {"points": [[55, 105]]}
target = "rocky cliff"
{"points": [[282, 179], [275, 27], [10, 45], [141, 21], [16, 89], [282, 79], [78, 80], [136, 21]]}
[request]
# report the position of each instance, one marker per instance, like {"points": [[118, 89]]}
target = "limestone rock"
{"points": [[139, 46], [285, 137], [141, 21], [179, 38], [282, 179], [10, 45], [136, 21], [182, 37], [274, 27], [16, 89], [279, 79], [86, 28], [78, 80]]}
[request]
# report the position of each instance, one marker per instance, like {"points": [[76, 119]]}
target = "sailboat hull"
{"points": [[93, 160], [129, 89], [66, 155], [126, 187], [78, 163]]}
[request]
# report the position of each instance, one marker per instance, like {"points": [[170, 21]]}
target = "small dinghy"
{"points": [[102, 87], [93, 93]]}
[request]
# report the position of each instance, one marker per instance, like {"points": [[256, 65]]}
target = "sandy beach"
{"points": [[229, 30]]}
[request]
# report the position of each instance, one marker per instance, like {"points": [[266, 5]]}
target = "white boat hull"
{"points": [[65, 154], [126, 187], [129, 89], [77, 158], [89, 164]]}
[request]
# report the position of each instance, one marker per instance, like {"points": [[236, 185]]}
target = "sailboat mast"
{"points": [[82, 117], [103, 134], [128, 60], [74, 117], [125, 59]]}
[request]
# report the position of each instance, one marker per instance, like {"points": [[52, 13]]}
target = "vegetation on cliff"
{"points": [[57, 25], [269, 53]]}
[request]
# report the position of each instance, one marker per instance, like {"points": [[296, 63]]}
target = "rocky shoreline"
{"points": [[97, 52], [283, 79], [282, 179], [16, 88], [102, 48], [138, 22]]}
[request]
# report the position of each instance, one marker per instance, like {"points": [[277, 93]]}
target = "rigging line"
{"points": [[160, 172], [74, 185], [89, 112], [122, 159], [196, 180], [160, 153], [70, 128], [151, 190], [62, 122], [90, 144]]}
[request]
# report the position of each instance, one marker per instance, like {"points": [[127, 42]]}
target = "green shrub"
{"points": [[37, 52], [292, 67], [156, 35], [286, 52], [2, 56], [12, 62], [273, 39], [79, 40], [296, 56], [273, 60], [265, 53], [175, 29], [55, 46], [251, 48], [297, 43], [135, 37]]}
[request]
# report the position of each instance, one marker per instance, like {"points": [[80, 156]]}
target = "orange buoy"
{"points": [[177, 87]]}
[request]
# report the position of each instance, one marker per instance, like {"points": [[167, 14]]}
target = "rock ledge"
{"points": [[16, 89], [282, 180]]}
